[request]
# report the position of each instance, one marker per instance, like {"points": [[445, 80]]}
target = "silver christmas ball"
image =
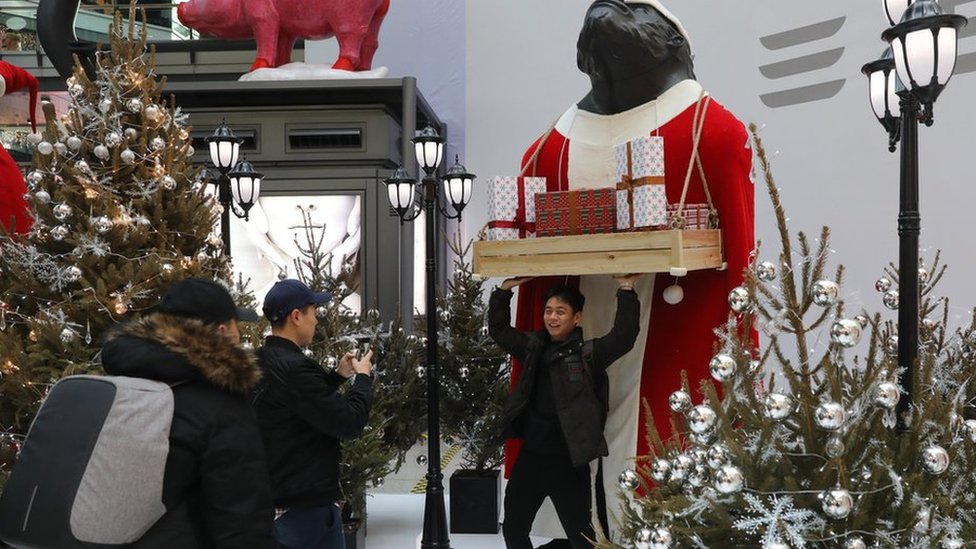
{"points": [[855, 543], [679, 401], [127, 156], [131, 133], [59, 232], [887, 395], [923, 275], [60, 148], [101, 152], [82, 166], [62, 212], [421, 460], [837, 503], [321, 311], [969, 429], [74, 143], [673, 294], [152, 113], [825, 292], [484, 331], [829, 416], [167, 183], [681, 465], [134, 104], [778, 406], [34, 138], [890, 299], [928, 323], [411, 339], [308, 352], [445, 315], [76, 90], [701, 418], [845, 332], [35, 177], [247, 345], [755, 367], [157, 143], [739, 300], [882, 284], [891, 345], [464, 371], [729, 479], [834, 447], [72, 274], [628, 480], [934, 460], [722, 367], [766, 271], [190, 151], [661, 538], [378, 481], [105, 105], [660, 470], [102, 224], [420, 371], [113, 139], [167, 269], [372, 314], [43, 197], [862, 320], [698, 476], [718, 455], [45, 148], [953, 543], [67, 335], [642, 539]]}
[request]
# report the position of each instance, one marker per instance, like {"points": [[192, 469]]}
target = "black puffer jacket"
{"points": [[579, 393], [303, 417], [216, 487]]}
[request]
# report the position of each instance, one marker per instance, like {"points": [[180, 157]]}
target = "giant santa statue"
{"points": [[638, 58], [14, 213]]}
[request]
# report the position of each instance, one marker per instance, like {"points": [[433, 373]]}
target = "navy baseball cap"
{"points": [[290, 294], [204, 300]]}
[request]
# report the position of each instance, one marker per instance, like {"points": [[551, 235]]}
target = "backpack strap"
{"points": [[601, 384]]}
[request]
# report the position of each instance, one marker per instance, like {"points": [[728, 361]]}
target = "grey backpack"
{"points": [[90, 473]]}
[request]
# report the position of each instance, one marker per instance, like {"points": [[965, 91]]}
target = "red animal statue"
{"points": [[276, 24], [14, 212]]}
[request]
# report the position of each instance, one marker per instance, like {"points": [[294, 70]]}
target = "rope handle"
{"points": [[534, 159], [697, 127]]}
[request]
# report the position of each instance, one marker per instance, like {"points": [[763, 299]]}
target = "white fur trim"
{"points": [[3, 86], [667, 15]]}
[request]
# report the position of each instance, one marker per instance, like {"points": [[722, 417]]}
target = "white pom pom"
{"points": [[673, 294], [34, 138]]}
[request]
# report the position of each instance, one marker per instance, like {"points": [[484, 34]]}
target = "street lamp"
{"points": [[923, 52], [238, 182], [400, 187]]}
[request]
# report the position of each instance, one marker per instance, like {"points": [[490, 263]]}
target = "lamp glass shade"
{"points": [[458, 191], [401, 195], [894, 9], [224, 154], [246, 189], [429, 154]]}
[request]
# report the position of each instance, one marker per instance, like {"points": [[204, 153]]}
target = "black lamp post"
{"points": [[238, 182], [923, 54], [400, 187]]}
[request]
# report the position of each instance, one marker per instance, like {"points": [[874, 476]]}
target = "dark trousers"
{"points": [[536, 477], [310, 528]]}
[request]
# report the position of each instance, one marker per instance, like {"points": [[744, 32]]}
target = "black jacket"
{"points": [[579, 394], [303, 417], [216, 487]]}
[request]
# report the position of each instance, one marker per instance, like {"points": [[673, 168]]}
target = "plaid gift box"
{"points": [[581, 211], [695, 216], [641, 200], [511, 206]]}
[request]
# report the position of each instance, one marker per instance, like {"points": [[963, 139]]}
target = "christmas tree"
{"points": [[475, 373], [397, 418], [118, 216], [804, 447]]}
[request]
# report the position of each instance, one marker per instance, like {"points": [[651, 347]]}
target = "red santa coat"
{"points": [[13, 208], [579, 154]]}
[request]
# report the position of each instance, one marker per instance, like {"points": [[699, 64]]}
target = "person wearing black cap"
{"points": [[303, 417], [216, 487]]}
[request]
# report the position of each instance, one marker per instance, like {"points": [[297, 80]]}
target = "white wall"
{"points": [[830, 156]]}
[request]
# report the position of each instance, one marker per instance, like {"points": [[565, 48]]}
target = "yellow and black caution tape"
{"points": [[446, 459]]}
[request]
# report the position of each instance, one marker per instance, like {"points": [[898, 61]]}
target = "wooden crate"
{"points": [[675, 252]]}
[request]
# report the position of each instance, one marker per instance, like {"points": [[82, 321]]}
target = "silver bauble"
{"points": [[628, 480], [378, 481], [834, 447], [890, 299], [739, 300], [928, 323], [421, 460], [934, 460], [701, 419], [74, 143], [134, 104], [845, 332], [882, 284], [72, 274], [855, 543], [766, 271], [698, 476], [952, 543], [661, 538], [681, 465], [112, 139], [43, 197], [60, 148], [642, 539], [729, 479], [755, 367], [45, 148], [67, 335], [420, 371], [679, 401], [76, 90], [167, 269], [718, 455], [190, 151], [923, 275], [308, 352], [157, 143], [673, 294], [35, 177], [62, 212], [152, 113], [969, 428], [105, 105], [464, 371], [722, 367], [825, 292], [82, 166], [837, 503], [131, 133], [829, 416], [101, 152], [102, 224], [167, 183], [127, 156], [887, 395], [34, 138], [891, 345], [59, 232], [778, 406], [660, 470], [862, 320]]}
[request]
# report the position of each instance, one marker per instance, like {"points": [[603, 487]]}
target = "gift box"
{"points": [[581, 211], [695, 216], [641, 199], [511, 206]]}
